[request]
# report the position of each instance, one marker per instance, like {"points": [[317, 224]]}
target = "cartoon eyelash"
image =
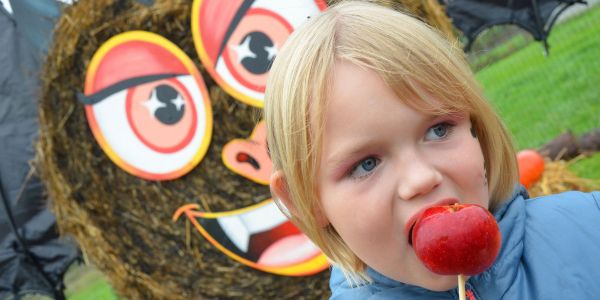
{"points": [[120, 86]]}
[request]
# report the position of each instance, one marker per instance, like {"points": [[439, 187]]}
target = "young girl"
{"points": [[373, 117]]}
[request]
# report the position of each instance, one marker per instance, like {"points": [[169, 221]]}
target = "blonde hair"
{"points": [[421, 67]]}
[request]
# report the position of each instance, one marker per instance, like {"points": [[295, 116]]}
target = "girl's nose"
{"points": [[419, 178]]}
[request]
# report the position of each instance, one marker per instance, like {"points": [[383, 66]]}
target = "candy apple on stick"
{"points": [[457, 239]]}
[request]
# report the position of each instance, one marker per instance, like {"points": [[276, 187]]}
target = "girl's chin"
{"points": [[415, 273], [431, 281]]}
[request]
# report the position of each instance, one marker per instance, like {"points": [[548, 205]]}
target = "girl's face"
{"points": [[383, 163]]}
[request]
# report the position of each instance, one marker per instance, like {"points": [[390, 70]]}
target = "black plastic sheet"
{"points": [[33, 259], [537, 17]]}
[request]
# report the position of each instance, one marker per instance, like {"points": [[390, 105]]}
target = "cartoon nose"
{"points": [[419, 177], [249, 157]]}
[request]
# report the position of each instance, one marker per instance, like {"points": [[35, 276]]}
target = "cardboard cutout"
{"points": [[124, 222], [258, 236], [147, 106], [237, 41], [249, 157]]}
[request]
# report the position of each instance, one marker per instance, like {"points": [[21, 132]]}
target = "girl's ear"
{"points": [[279, 190]]}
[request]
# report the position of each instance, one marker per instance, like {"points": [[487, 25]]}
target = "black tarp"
{"points": [[33, 259], [537, 17]]}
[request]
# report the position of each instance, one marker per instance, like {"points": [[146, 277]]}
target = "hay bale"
{"points": [[123, 223], [429, 11], [557, 178]]}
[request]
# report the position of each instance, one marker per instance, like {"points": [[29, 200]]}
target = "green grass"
{"points": [[87, 283], [588, 168], [540, 97], [479, 59]]}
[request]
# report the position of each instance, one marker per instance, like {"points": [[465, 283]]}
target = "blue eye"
{"points": [[364, 167], [438, 131]]}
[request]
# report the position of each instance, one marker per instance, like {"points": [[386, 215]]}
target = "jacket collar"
{"points": [[511, 220]]}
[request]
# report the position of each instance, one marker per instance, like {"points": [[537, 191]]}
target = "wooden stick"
{"points": [[461, 287]]}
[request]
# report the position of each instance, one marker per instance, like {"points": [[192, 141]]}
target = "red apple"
{"points": [[456, 239]]}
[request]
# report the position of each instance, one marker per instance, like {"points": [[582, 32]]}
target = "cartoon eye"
{"points": [[237, 41], [147, 106]]}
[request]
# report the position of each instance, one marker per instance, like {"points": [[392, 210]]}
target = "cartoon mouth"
{"points": [[259, 236]]}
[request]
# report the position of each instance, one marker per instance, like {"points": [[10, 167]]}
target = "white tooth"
{"points": [[263, 218], [235, 231]]}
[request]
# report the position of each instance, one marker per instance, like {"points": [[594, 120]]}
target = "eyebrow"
{"points": [[237, 18], [338, 159], [119, 86]]}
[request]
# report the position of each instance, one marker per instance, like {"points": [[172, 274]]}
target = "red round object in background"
{"points": [[531, 167]]}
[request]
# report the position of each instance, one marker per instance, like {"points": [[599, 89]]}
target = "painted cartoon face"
{"points": [[387, 165], [237, 41], [149, 110], [147, 106], [129, 216]]}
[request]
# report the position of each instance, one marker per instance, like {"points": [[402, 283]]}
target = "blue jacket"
{"points": [[550, 250]]}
